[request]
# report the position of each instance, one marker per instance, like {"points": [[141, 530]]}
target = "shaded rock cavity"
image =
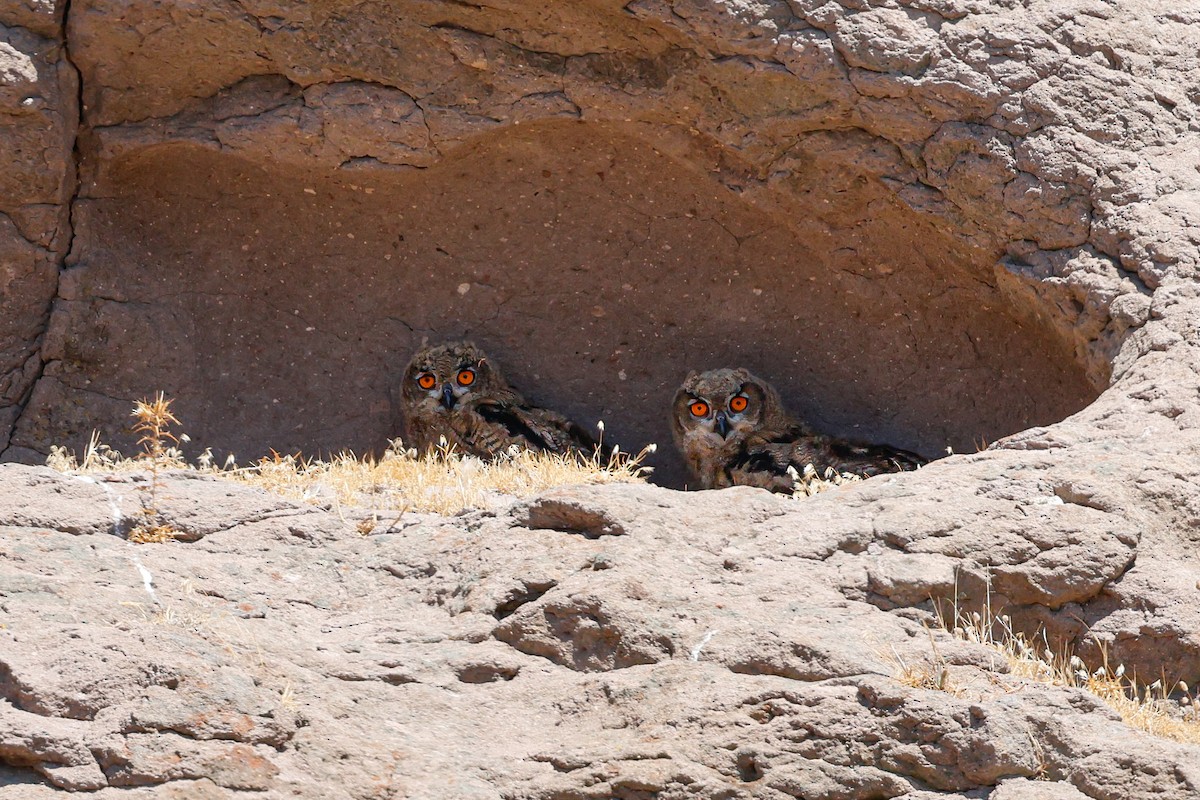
{"points": [[926, 223], [596, 269]]}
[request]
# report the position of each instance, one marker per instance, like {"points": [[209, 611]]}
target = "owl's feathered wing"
{"points": [[536, 429], [766, 456]]}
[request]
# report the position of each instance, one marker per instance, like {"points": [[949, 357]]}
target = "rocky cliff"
{"points": [[934, 222]]}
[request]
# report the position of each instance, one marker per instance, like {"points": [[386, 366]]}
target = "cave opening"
{"points": [[279, 304]]}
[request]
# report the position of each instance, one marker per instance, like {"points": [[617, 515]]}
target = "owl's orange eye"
{"points": [[738, 404], [466, 377], [426, 381], [699, 409]]}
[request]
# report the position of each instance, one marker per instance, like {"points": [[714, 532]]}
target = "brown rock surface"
{"points": [[927, 222], [620, 641], [38, 121]]}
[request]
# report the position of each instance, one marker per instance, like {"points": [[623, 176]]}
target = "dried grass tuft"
{"points": [[442, 481], [1165, 707]]}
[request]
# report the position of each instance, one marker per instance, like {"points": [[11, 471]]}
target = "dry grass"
{"points": [[924, 675], [442, 481], [1166, 707], [175, 616], [152, 533], [932, 673], [100, 459]]}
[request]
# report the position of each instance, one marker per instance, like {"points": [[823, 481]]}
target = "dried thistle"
{"points": [[147, 533], [154, 421]]}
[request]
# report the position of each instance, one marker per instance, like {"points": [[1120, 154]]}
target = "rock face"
{"points": [[626, 641], [39, 110], [930, 223]]}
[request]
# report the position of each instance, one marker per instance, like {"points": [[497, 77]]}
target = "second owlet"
{"points": [[732, 429], [452, 390]]}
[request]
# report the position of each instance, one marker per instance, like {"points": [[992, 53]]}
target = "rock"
{"points": [[1025, 789], [53, 746], [860, 203], [934, 224], [38, 89], [549, 513], [726, 641], [68, 503]]}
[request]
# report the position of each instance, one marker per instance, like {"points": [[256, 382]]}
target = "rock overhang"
{"points": [[896, 214]]}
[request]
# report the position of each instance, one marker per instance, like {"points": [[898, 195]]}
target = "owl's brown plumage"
{"points": [[733, 429], [454, 391]]}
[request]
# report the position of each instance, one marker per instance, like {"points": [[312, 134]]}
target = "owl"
{"points": [[733, 429], [454, 391]]}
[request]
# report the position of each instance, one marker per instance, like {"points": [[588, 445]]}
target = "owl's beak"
{"points": [[722, 424], [448, 399]]}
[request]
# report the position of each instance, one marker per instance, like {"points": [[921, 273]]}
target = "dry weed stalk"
{"points": [[924, 675], [933, 673], [158, 443]]}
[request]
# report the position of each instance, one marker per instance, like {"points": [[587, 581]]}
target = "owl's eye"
{"points": [[426, 381], [738, 404], [699, 408], [466, 377]]}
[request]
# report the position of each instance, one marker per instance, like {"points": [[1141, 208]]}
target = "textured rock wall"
{"points": [[39, 118], [931, 223], [963, 218]]}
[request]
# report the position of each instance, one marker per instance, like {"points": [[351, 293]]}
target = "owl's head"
{"points": [[724, 405], [441, 378]]}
